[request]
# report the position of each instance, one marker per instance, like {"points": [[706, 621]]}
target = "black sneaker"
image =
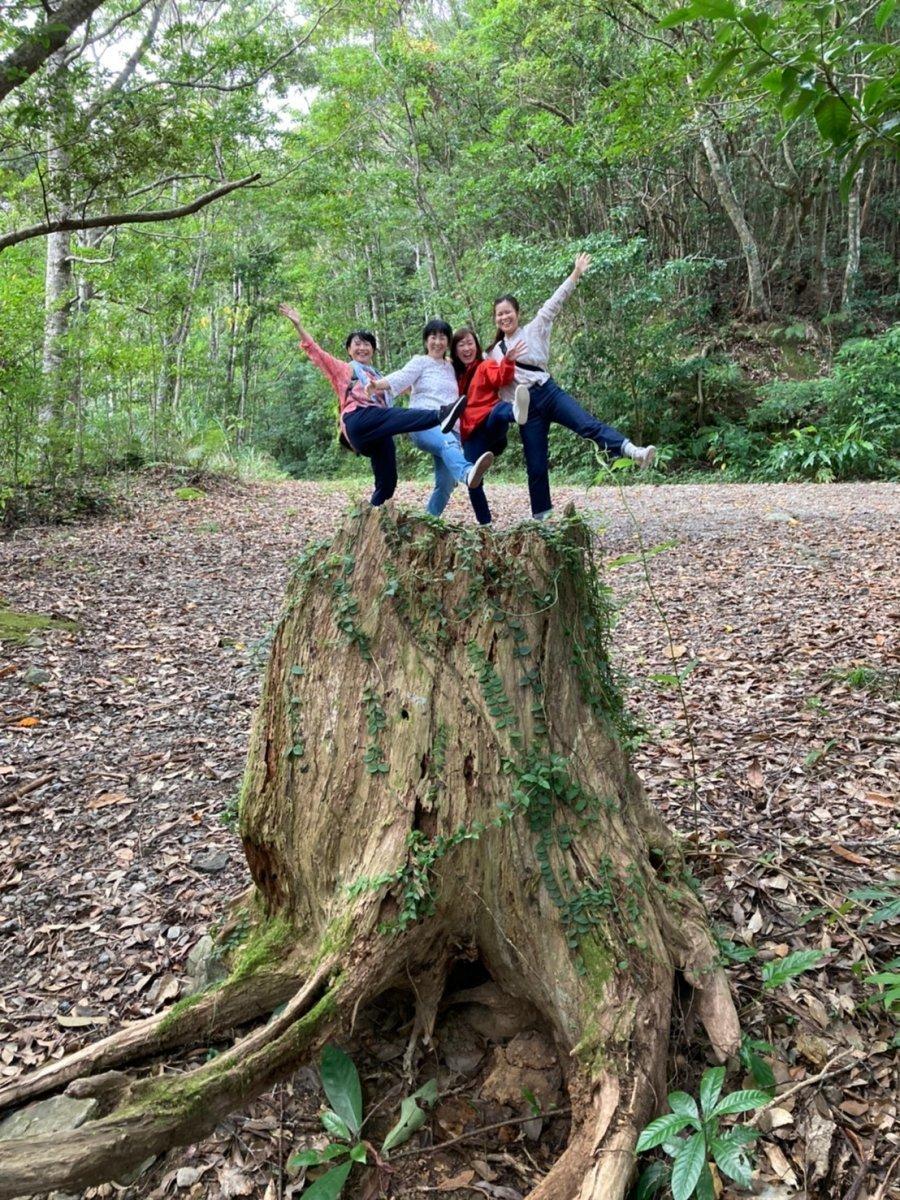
{"points": [[450, 414]]}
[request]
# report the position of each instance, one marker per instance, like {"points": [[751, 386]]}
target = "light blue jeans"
{"points": [[450, 465]]}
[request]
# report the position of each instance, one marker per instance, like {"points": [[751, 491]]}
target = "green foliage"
{"points": [[887, 983], [344, 1123], [806, 62], [780, 970], [887, 900], [689, 1174]]}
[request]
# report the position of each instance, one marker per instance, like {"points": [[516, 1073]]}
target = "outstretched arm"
{"points": [[549, 311], [294, 317], [334, 369]]}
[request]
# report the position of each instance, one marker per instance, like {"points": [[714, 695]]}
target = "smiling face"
{"points": [[361, 351], [507, 317], [466, 349], [436, 345]]}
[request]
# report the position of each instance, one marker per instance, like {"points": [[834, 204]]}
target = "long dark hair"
{"points": [[458, 365], [499, 300]]}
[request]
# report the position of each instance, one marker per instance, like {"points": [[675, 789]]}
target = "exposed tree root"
{"points": [[214, 1013], [165, 1111]]}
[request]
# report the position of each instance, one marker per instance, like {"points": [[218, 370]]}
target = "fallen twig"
{"points": [[464, 1137]]}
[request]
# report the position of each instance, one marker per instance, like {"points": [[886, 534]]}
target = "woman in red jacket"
{"points": [[486, 418]]}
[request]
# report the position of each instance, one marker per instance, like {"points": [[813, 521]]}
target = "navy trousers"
{"points": [[549, 405], [371, 431]]}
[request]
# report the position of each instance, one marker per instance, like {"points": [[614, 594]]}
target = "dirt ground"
{"points": [[757, 634]]}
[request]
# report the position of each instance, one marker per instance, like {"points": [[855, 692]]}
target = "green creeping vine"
{"points": [[375, 722], [418, 898], [556, 807]]}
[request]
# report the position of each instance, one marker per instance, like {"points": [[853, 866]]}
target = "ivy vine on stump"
{"points": [[436, 773]]}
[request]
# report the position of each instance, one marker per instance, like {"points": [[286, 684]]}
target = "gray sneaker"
{"points": [[479, 469], [642, 455]]}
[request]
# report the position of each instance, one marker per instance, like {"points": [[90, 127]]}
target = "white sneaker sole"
{"points": [[480, 468], [521, 404]]}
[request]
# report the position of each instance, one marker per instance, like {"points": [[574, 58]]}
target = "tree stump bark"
{"points": [[437, 773]]}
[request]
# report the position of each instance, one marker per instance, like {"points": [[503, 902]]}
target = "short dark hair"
{"points": [[458, 365], [364, 335], [436, 326]]}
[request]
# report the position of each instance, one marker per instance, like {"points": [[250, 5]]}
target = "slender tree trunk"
{"points": [[59, 287], [759, 304], [435, 776], [820, 246], [854, 230]]}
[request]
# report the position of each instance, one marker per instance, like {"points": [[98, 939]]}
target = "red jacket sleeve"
{"points": [[498, 374]]}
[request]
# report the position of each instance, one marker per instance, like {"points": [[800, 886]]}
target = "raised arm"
{"points": [[550, 310], [334, 369]]}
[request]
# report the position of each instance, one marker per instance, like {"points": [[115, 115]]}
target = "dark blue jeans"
{"points": [[549, 405], [489, 435], [371, 431]]}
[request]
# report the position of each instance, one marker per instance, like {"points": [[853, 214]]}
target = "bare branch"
{"points": [[92, 38], [71, 224], [37, 46]]}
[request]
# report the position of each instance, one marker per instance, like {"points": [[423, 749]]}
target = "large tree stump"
{"points": [[436, 773]]}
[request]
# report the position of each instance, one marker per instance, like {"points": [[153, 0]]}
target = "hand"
{"points": [[292, 315], [516, 350], [582, 262]]}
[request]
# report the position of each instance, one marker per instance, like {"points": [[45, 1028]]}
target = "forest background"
{"points": [[170, 171]]}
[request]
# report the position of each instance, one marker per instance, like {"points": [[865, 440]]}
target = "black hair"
{"points": [[458, 365], [436, 326], [510, 299], [364, 335]]}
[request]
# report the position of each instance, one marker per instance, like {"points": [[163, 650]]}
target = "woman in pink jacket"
{"points": [[368, 424]]}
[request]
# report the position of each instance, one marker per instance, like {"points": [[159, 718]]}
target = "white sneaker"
{"points": [[479, 469], [642, 455], [521, 403]]}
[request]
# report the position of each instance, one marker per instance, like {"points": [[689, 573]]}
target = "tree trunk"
{"points": [[759, 304], [854, 229], [59, 283], [435, 774]]}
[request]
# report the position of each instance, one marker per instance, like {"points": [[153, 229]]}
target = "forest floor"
{"points": [[122, 745]]}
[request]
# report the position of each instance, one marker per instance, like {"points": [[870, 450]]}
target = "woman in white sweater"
{"points": [[431, 382], [549, 402]]}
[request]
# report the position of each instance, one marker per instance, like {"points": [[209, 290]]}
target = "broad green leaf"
{"points": [[660, 1130], [358, 1153], [740, 1102], [411, 1117], [687, 1167], [706, 1189], [780, 970], [340, 1080], [330, 1185], [716, 10], [679, 16], [711, 1088], [833, 118], [757, 23], [651, 1180], [683, 1104], [709, 81], [732, 1161], [335, 1125], [884, 13]]}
